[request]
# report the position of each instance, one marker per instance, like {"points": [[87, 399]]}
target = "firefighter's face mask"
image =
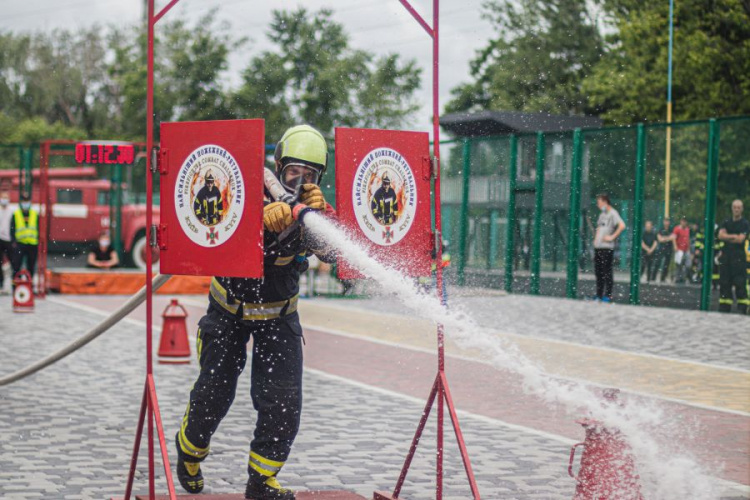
{"points": [[294, 175], [25, 205]]}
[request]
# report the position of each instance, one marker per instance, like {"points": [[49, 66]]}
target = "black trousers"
{"points": [[5, 249], [603, 263], [647, 264], [733, 275], [662, 261], [276, 387], [24, 252]]}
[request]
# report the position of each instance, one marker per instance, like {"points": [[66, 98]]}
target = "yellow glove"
{"points": [[312, 196], [277, 216]]}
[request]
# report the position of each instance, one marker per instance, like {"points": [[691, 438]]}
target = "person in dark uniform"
{"points": [[664, 250], [384, 205], [266, 310], [208, 204], [733, 270], [24, 233], [648, 247]]}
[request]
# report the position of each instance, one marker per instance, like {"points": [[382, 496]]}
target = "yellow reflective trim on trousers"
{"points": [[266, 461], [260, 470], [725, 301], [188, 447], [743, 301]]}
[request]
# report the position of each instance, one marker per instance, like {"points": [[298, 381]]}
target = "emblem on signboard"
{"points": [[209, 195], [384, 196]]}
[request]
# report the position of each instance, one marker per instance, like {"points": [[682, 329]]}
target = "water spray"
{"points": [[665, 474]]}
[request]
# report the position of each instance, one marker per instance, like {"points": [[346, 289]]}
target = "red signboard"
{"points": [[383, 196], [212, 198]]}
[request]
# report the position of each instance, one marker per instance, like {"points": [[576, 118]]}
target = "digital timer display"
{"points": [[105, 154]]}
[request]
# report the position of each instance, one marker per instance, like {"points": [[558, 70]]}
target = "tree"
{"points": [[314, 77], [190, 63], [543, 51], [711, 61]]}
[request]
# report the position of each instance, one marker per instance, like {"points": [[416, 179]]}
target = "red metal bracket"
{"points": [[426, 168], [161, 237], [163, 161]]}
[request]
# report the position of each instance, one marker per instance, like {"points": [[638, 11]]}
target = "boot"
{"points": [[189, 473], [270, 489]]}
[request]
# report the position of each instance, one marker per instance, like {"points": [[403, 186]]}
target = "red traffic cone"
{"points": [[23, 292], [607, 469], [173, 346]]}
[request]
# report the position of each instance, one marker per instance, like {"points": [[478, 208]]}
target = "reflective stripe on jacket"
{"points": [[27, 233]]}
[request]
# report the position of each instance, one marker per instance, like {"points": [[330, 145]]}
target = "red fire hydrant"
{"points": [[607, 470], [23, 292], [174, 347]]}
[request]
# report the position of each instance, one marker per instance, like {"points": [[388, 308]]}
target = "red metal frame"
{"points": [[150, 405], [440, 390]]}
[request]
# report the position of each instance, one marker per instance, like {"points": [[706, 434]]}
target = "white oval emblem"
{"points": [[209, 195], [384, 196], [22, 294]]}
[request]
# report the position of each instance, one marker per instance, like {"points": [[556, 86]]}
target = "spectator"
{"points": [[102, 255], [732, 271], [6, 214], [648, 247], [608, 228], [664, 250], [681, 244]]}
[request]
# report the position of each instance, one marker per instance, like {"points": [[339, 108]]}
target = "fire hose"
{"points": [[102, 327]]}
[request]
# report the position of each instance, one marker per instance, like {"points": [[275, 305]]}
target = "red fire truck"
{"points": [[81, 212]]}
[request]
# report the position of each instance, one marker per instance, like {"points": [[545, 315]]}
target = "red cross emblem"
{"points": [[212, 236], [387, 234]]}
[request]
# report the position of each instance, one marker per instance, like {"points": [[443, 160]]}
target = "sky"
{"points": [[379, 26]]}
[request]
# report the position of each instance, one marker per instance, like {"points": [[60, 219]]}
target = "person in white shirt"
{"points": [[6, 214]]}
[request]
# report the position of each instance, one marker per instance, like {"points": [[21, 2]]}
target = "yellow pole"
{"points": [[668, 160]]}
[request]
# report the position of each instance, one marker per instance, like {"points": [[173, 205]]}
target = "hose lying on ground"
{"points": [[102, 327]]}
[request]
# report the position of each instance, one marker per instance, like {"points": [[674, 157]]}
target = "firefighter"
{"points": [[384, 205], [208, 204], [24, 233], [266, 310], [733, 270]]}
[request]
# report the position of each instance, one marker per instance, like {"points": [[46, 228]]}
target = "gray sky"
{"points": [[381, 26]]}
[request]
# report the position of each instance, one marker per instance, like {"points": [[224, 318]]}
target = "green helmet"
{"points": [[301, 146]]}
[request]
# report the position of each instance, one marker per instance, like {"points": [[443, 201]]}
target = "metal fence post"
{"points": [[536, 242], [510, 229], [463, 227], [635, 255], [492, 253], [712, 177], [117, 205], [571, 283]]}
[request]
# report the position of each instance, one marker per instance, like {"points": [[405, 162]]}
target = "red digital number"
{"points": [[107, 159], [80, 153]]}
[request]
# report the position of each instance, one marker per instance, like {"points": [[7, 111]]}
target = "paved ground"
{"points": [[67, 432]]}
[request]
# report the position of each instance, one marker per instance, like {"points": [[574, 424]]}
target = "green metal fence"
{"points": [[507, 204]]}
